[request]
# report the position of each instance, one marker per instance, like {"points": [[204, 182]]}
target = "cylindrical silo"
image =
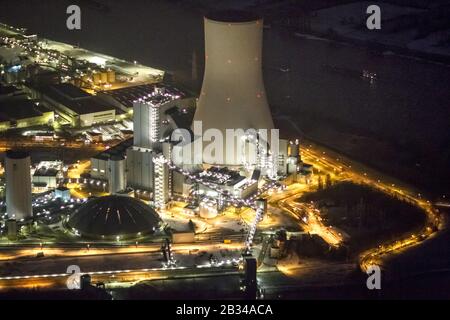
{"points": [[18, 185], [207, 210], [104, 77], [96, 78], [233, 94], [116, 169], [111, 76]]}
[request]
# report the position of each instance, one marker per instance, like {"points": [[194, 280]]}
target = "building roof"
{"points": [[70, 91], [221, 176], [19, 107], [46, 172], [126, 96], [113, 216], [75, 99], [118, 150]]}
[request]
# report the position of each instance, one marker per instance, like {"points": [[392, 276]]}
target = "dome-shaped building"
{"points": [[114, 216]]}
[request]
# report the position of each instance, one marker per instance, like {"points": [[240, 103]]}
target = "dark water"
{"points": [[401, 123]]}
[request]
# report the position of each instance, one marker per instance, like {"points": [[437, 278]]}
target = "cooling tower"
{"points": [[18, 185], [233, 94]]}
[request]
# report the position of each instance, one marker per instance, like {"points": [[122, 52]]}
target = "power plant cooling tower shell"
{"points": [[233, 94]]}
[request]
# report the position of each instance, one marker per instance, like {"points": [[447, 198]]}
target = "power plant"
{"points": [[148, 165], [121, 181], [232, 98]]}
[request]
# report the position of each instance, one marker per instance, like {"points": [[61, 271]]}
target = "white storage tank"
{"points": [[207, 210], [18, 185]]}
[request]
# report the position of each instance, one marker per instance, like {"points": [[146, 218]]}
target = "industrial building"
{"points": [[227, 180], [63, 193], [124, 98], [18, 111], [75, 106], [116, 171], [47, 175], [232, 97], [18, 185], [99, 162], [156, 113]]}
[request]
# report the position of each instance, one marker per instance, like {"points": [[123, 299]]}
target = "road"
{"points": [[114, 277], [344, 169], [10, 253], [310, 220], [17, 142]]}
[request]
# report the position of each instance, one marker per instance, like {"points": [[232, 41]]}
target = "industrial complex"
{"points": [[107, 157]]}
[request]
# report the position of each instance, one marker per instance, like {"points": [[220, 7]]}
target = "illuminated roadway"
{"points": [[17, 142], [343, 169], [110, 277], [311, 221]]}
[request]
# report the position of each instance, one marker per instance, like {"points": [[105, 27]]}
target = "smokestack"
{"points": [[233, 94], [18, 185]]}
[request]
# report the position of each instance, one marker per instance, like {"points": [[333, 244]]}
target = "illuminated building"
{"points": [[77, 107], [63, 193], [18, 111], [116, 172], [47, 175], [154, 118]]}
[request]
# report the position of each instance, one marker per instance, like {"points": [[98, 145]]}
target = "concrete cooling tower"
{"points": [[18, 185], [233, 94]]}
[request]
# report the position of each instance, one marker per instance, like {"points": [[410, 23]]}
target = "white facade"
{"points": [[89, 119], [116, 173], [140, 168], [99, 168], [47, 182], [150, 122], [283, 155], [207, 210], [161, 182], [18, 185], [63, 193]]}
